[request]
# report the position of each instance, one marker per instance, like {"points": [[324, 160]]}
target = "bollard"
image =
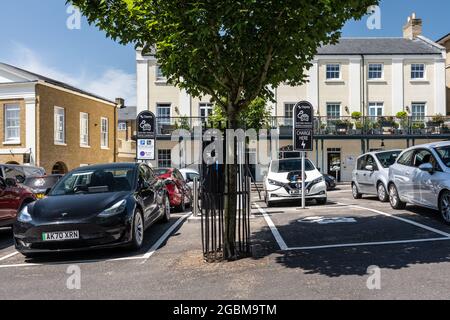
{"points": [[195, 209]]}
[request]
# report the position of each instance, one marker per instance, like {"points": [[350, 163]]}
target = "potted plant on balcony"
{"points": [[356, 116], [436, 123], [184, 124], [402, 117], [418, 127], [343, 126]]}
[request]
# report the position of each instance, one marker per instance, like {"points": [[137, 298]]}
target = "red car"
{"points": [[13, 197], [180, 194]]}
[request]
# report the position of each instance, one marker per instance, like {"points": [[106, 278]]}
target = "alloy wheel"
{"points": [[445, 207], [393, 197], [381, 192], [138, 229]]}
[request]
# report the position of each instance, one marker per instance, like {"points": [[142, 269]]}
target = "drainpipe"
{"points": [[363, 86]]}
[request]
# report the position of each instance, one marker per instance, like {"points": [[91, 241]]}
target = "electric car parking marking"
{"points": [[283, 246], [275, 232], [442, 233], [144, 257]]}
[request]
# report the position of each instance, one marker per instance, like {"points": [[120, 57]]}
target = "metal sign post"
{"points": [[303, 124], [146, 136]]}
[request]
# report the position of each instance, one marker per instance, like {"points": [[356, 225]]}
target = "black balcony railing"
{"points": [[330, 126]]}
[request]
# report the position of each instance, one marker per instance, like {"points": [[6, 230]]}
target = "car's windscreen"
{"points": [[387, 159], [95, 181], [160, 172], [190, 176], [283, 166], [30, 172], [41, 182], [444, 154]]}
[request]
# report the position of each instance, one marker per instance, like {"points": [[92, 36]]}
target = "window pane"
{"points": [[104, 133], [12, 122], [333, 71], [59, 125], [333, 111], [417, 71], [375, 71], [164, 158]]}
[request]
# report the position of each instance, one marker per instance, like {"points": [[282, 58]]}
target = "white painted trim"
{"points": [[312, 87], [440, 95], [104, 147], [76, 93], [354, 85], [30, 128], [142, 85], [12, 143], [56, 142], [426, 57], [398, 89], [184, 103], [15, 151]]}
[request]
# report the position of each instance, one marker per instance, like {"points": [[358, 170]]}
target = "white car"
{"points": [[189, 175], [283, 182]]}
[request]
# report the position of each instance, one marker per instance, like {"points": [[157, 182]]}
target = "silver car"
{"points": [[421, 176], [371, 174]]}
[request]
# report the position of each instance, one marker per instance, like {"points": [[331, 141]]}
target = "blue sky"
{"points": [[34, 36]]}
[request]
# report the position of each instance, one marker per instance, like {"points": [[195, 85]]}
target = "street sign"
{"points": [[146, 136], [303, 135], [303, 115], [146, 149]]}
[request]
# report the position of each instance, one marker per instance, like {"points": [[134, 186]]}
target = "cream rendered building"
{"points": [[377, 77]]}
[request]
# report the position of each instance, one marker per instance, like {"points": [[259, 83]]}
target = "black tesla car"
{"points": [[93, 207]]}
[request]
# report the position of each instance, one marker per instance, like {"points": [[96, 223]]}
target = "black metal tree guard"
{"points": [[212, 195]]}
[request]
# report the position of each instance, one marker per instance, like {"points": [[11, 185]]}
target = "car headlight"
{"points": [[275, 183], [119, 207], [316, 181], [24, 216]]}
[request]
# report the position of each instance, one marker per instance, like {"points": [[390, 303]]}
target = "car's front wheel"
{"points": [[444, 206], [268, 203], [394, 198], [182, 206], [321, 201], [138, 231], [383, 196]]}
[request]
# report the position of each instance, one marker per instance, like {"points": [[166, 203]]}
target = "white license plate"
{"points": [[61, 235], [295, 192]]}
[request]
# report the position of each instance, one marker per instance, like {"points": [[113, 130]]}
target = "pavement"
{"points": [[323, 252]]}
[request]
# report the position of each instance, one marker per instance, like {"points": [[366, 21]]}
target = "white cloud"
{"points": [[111, 84]]}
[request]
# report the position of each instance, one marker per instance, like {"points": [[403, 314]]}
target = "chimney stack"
{"points": [[413, 27], [120, 102]]}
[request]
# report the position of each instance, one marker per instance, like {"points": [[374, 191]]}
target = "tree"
{"points": [[232, 50]]}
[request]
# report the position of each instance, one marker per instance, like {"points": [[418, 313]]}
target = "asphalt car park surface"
{"points": [[323, 252]]}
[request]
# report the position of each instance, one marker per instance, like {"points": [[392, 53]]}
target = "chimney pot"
{"points": [[120, 102], [413, 27]]}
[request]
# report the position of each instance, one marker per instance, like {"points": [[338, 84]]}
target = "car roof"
{"points": [[373, 153], [433, 145], [188, 170], [120, 165]]}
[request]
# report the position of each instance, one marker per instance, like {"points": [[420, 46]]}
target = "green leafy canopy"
{"points": [[233, 50]]}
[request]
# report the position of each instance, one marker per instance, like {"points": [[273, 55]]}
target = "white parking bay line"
{"points": [[367, 244], [8, 256], [442, 233], [275, 232], [164, 237]]}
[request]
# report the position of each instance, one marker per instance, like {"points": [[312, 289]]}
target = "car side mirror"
{"points": [[370, 167], [427, 167], [10, 182], [47, 191]]}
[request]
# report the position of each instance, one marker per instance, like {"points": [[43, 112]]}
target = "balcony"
{"points": [[427, 126]]}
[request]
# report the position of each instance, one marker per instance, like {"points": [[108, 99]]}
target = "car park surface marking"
{"points": [[164, 237], [284, 247], [442, 233], [9, 256], [275, 232], [143, 257]]}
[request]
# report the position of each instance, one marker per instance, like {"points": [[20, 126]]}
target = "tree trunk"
{"points": [[230, 198]]}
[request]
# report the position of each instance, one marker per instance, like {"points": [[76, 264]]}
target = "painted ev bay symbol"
{"points": [[324, 220]]}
